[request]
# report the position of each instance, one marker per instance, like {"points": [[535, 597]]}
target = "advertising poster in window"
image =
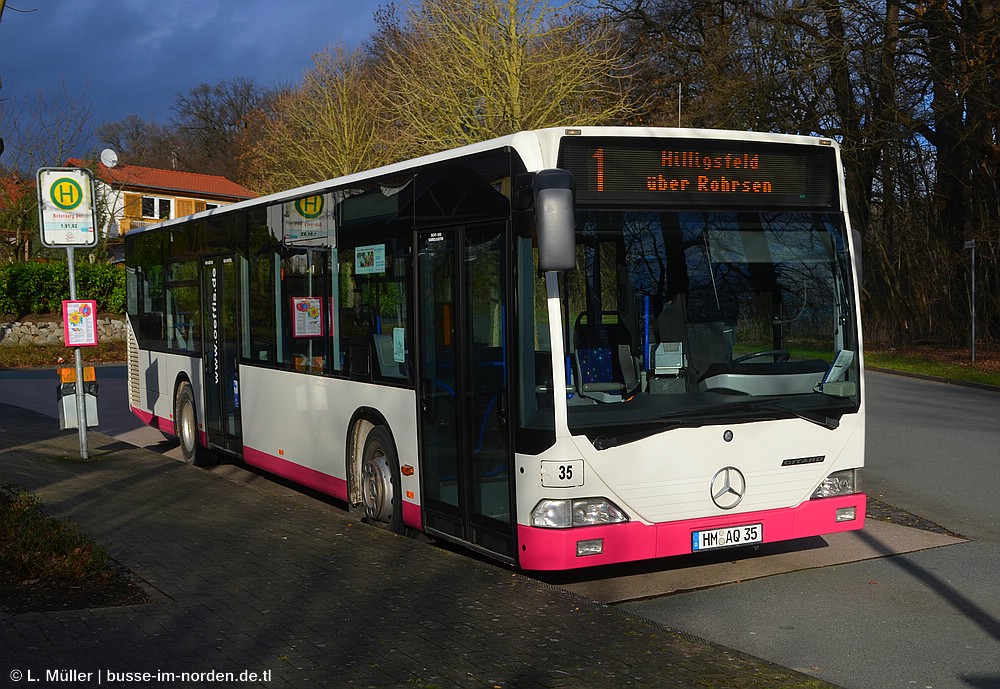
{"points": [[307, 317], [369, 260], [80, 323]]}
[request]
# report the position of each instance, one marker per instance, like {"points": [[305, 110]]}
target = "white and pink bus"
{"points": [[562, 348]]}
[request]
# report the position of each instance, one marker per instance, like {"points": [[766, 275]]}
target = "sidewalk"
{"points": [[247, 580]]}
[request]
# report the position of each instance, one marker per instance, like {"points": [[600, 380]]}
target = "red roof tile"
{"points": [[134, 177], [11, 190]]}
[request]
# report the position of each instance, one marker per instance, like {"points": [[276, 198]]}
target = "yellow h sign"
{"points": [[310, 207], [66, 193], [66, 212]]}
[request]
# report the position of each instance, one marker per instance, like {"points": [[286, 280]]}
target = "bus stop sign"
{"points": [[67, 214]]}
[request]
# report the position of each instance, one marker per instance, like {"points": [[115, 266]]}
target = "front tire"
{"points": [[186, 427], [380, 482]]}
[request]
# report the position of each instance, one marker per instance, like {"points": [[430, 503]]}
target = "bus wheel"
{"points": [[186, 427], [380, 482]]}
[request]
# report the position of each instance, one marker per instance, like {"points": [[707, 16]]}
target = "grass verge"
{"points": [[939, 362], [47, 564], [41, 356]]}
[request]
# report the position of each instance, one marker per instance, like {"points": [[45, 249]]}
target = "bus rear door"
{"points": [[221, 328]]}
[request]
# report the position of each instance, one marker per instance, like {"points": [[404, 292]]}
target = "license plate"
{"points": [[729, 537]]}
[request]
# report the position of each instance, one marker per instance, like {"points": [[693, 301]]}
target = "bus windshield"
{"points": [[691, 317]]}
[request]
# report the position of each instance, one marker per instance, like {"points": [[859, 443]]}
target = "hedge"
{"points": [[27, 288]]}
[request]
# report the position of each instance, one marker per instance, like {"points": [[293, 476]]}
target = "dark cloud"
{"points": [[134, 56]]}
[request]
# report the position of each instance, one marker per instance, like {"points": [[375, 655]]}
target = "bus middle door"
{"points": [[464, 434]]}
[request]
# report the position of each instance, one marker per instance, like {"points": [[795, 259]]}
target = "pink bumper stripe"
{"points": [[317, 480], [413, 515], [555, 549], [158, 422]]}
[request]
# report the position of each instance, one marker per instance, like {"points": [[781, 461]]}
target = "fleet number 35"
{"points": [[562, 474]]}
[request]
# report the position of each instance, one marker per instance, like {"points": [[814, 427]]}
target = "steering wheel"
{"points": [[781, 354]]}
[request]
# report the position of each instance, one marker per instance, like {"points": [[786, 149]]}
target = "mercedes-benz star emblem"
{"points": [[728, 487]]}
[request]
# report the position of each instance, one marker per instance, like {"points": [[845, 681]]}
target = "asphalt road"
{"points": [[920, 617], [36, 389]]}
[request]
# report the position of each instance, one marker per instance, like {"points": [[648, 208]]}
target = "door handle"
{"points": [[425, 394], [502, 407]]}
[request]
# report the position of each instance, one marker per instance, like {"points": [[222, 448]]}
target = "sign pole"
{"points": [[81, 406], [67, 217]]}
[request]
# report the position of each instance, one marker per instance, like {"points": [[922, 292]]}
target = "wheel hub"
{"points": [[187, 430], [376, 478]]}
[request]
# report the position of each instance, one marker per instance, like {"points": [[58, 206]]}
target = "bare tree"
{"points": [[461, 71], [44, 132], [138, 142], [326, 127], [211, 122]]}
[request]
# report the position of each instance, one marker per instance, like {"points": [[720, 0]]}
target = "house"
{"points": [[16, 214], [137, 196], [12, 190]]}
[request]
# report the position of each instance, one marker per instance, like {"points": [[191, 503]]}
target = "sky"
{"points": [[132, 57]]}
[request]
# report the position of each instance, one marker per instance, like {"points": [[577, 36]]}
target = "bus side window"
{"points": [[373, 309], [303, 309], [263, 268], [144, 255], [183, 307]]}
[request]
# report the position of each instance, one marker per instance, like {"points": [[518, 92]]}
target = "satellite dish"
{"points": [[109, 157]]}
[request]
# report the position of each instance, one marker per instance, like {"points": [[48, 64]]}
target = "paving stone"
{"points": [[249, 580]]}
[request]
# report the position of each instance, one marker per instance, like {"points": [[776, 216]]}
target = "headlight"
{"points": [[843, 482], [562, 514]]}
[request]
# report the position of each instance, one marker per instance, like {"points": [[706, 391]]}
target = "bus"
{"points": [[562, 348]]}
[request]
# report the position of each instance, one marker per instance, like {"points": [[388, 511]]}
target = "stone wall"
{"points": [[27, 332]]}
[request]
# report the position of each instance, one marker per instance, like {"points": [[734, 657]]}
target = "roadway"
{"points": [[888, 607]]}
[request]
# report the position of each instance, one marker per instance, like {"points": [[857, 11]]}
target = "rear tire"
{"points": [[186, 427], [381, 496]]}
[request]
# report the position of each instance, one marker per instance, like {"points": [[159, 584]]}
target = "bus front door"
{"points": [[462, 342], [221, 328]]}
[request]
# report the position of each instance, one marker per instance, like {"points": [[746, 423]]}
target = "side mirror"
{"points": [[555, 219]]}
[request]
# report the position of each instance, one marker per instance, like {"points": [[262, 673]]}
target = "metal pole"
{"points": [[973, 301], [81, 406]]}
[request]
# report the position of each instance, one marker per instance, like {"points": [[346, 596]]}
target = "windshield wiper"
{"points": [[690, 416], [818, 419], [694, 416], [717, 409]]}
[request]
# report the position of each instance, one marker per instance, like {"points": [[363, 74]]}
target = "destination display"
{"points": [[701, 172]]}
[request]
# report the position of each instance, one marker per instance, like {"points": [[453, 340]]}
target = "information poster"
{"points": [[399, 345], [369, 260], [80, 323], [307, 317]]}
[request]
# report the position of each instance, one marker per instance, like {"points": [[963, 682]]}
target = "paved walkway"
{"points": [[247, 580]]}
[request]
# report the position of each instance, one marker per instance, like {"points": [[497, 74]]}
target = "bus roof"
{"points": [[537, 148]]}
